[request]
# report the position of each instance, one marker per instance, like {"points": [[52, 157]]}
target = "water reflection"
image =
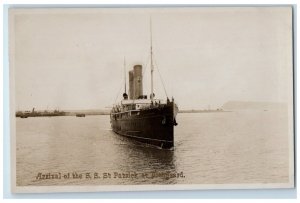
{"points": [[158, 164]]}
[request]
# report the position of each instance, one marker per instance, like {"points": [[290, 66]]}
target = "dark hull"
{"points": [[153, 126]]}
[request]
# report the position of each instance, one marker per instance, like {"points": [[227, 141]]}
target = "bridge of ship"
{"points": [[134, 106]]}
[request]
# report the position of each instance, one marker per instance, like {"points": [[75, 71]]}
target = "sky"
{"points": [[74, 58]]}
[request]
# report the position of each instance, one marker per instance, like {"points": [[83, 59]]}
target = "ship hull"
{"points": [[154, 126]]}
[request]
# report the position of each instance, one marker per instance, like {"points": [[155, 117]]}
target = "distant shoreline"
{"points": [[227, 107], [202, 111], [83, 113]]}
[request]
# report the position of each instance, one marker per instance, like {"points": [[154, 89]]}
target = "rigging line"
{"points": [[161, 79], [120, 90], [118, 93], [147, 63]]}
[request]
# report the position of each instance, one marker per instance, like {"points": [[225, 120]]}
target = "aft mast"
{"points": [[125, 95], [151, 62], [125, 74]]}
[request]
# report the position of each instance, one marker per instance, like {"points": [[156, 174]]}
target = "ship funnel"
{"points": [[138, 81], [131, 86]]}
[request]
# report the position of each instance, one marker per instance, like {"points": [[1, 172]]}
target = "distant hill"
{"points": [[241, 105]]}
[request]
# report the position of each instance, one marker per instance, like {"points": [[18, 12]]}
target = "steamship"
{"points": [[147, 120]]}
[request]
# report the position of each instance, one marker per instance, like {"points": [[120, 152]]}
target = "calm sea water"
{"points": [[210, 148]]}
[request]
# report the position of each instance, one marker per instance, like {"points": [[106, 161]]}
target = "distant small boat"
{"points": [[80, 115]]}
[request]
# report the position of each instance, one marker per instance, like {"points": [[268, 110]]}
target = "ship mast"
{"points": [[125, 96], [151, 62], [125, 73]]}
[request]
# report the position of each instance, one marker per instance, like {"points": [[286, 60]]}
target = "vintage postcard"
{"points": [[173, 98]]}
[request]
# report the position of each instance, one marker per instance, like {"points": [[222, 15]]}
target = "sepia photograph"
{"points": [[161, 98]]}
